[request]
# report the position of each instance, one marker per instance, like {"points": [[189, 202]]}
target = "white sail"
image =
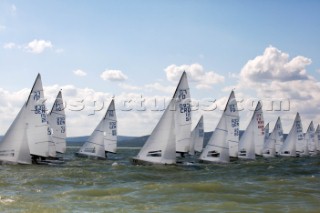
{"points": [[296, 134], [278, 136], [269, 148], [57, 122], [37, 128], [183, 115], [226, 132], [310, 140], [14, 145], [233, 118], [217, 149], [95, 145], [251, 142], [160, 146], [317, 138], [197, 136], [269, 144], [301, 144], [110, 135], [29, 134]]}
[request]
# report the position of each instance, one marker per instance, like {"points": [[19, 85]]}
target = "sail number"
{"points": [[182, 94], [260, 123], [232, 108], [61, 120], [36, 95], [112, 125], [41, 110], [186, 108]]}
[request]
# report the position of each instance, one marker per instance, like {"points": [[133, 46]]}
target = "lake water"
{"points": [[84, 185]]}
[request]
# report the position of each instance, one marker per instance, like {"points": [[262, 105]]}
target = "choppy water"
{"points": [[83, 185]]}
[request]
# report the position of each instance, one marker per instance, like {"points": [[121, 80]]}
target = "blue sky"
{"points": [[142, 39]]}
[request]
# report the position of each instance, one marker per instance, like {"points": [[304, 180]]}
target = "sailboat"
{"points": [[183, 115], [197, 136], [227, 131], [278, 136], [103, 134], [310, 140], [172, 134], [57, 122], [274, 139], [160, 147], [317, 139], [269, 148], [288, 148], [252, 139], [27, 139]]}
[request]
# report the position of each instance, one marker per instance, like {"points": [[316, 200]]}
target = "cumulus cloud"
{"points": [[274, 64], [79, 72], [113, 75], [196, 73], [276, 76], [38, 46]]}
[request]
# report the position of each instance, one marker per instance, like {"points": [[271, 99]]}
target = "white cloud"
{"points": [[274, 76], [38, 46], [10, 45], [113, 75], [196, 73], [275, 65], [79, 72]]}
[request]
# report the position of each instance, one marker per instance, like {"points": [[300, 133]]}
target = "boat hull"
{"points": [[212, 162], [137, 161], [81, 155]]}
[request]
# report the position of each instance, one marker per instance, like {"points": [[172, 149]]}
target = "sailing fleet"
{"points": [[36, 137]]}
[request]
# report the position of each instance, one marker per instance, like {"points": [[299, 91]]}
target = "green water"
{"points": [[83, 185]]}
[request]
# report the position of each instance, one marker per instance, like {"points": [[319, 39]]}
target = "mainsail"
{"points": [[274, 139], [160, 147], [301, 143], [110, 134], [226, 133], [182, 105], [197, 136], [278, 136], [310, 139], [251, 142], [95, 145], [296, 134], [37, 128], [57, 122]]}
